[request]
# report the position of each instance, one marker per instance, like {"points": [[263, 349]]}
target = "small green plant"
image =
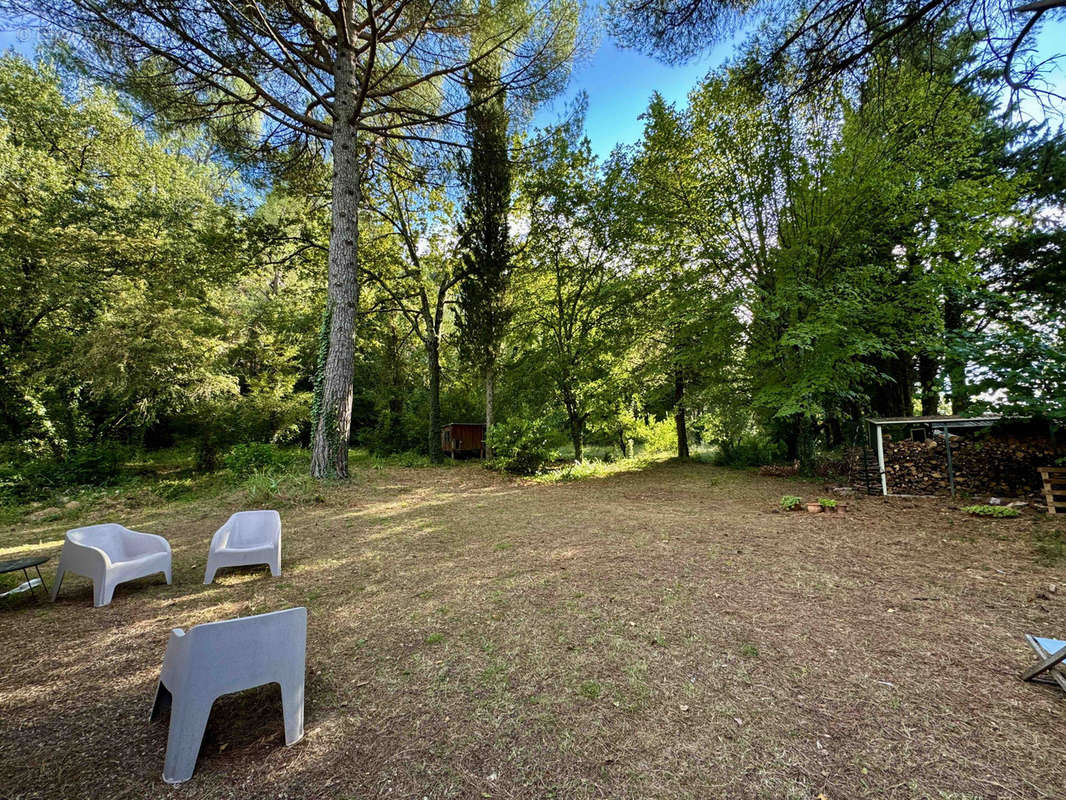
{"points": [[827, 502], [591, 689], [435, 638], [790, 502], [749, 651], [999, 512]]}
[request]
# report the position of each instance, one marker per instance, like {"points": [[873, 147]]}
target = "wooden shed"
{"points": [[463, 439]]}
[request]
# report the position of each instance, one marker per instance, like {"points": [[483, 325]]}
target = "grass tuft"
{"points": [[1050, 546], [590, 690]]}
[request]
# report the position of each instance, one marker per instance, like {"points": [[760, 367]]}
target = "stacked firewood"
{"points": [[992, 466], [780, 470]]}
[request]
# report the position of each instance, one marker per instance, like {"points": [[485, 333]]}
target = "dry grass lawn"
{"points": [[651, 634]]}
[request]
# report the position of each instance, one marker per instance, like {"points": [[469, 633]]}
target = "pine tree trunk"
{"points": [[436, 453], [490, 401], [329, 451], [679, 413]]}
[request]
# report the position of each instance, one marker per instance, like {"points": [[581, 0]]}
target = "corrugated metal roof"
{"points": [[939, 420]]}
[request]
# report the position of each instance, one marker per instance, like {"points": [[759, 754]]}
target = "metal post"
{"points": [[881, 460], [951, 471]]}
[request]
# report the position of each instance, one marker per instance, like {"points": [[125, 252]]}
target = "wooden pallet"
{"points": [[1054, 488]]}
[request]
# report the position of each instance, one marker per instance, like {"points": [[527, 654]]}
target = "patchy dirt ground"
{"points": [[652, 634]]}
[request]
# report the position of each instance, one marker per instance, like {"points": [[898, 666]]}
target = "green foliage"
{"points": [[590, 690], [108, 240], [753, 449], [294, 487], [761, 271], [482, 316], [573, 300], [321, 355], [790, 501], [649, 435], [244, 459], [593, 468], [999, 512], [827, 502], [521, 446], [89, 465]]}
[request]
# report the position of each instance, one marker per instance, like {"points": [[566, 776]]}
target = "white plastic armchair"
{"points": [[248, 537], [219, 658], [110, 554]]}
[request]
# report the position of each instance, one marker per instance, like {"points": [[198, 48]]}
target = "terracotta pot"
{"points": [[814, 508], [841, 507]]}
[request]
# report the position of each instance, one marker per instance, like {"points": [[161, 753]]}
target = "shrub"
{"points": [[96, 465], [660, 436], [999, 512], [245, 459], [790, 501], [89, 465], [521, 446], [751, 450]]}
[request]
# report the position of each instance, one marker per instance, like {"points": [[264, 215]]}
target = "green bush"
{"points": [[89, 465], [751, 450], [1000, 512], [93, 465], [522, 447], [245, 459], [659, 436]]}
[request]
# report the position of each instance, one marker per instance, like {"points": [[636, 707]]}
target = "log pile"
{"points": [[1005, 467], [780, 470]]}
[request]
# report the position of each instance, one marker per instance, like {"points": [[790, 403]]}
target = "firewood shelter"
{"points": [[944, 424]]}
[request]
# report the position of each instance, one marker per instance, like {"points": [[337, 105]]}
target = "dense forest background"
{"points": [[763, 269]]}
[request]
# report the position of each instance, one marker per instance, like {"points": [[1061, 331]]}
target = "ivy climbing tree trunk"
{"points": [[329, 450]]}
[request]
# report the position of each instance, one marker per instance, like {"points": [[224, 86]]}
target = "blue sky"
{"points": [[619, 83]]}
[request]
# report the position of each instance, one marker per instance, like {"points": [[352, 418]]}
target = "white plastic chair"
{"points": [[248, 537], [218, 658], [110, 554]]}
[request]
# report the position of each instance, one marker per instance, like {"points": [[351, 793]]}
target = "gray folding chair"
{"points": [[1051, 653]]}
